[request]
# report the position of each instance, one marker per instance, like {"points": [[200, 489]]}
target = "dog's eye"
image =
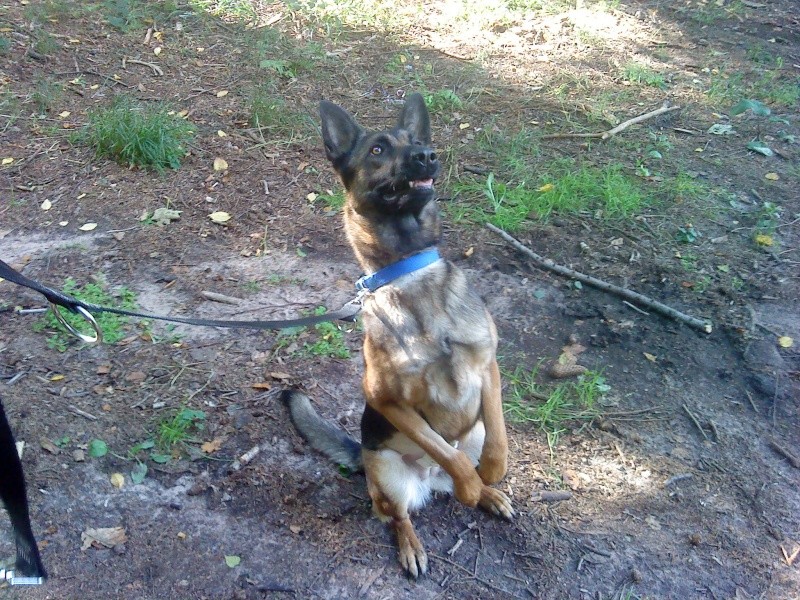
{"points": [[376, 150]]}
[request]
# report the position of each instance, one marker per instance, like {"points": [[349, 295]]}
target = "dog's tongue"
{"points": [[422, 183]]}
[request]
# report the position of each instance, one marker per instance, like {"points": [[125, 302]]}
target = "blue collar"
{"points": [[388, 274]]}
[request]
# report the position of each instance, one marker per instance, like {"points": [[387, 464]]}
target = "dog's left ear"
{"points": [[415, 119]]}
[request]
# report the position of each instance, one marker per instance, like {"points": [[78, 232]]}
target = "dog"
{"points": [[433, 419]]}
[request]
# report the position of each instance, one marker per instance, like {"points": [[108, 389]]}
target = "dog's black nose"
{"points": [[424, 156]]}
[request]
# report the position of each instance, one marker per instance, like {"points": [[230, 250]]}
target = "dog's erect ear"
{"points": [[339, 131], [415, 119]]}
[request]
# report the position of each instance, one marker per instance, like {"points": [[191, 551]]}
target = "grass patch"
{"points": [[112, 326], [327, 343], [643, 75], [551, 410], [137, 134], [772, 87], [5, 45], [274, 119], [607, 192], [129, 15], [46, 93], [332, 200]]}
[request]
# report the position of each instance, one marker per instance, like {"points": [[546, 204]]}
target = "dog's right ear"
{"points": [[340, 132]]}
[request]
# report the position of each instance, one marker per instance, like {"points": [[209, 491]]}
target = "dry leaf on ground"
{"points": [[103, 536]]}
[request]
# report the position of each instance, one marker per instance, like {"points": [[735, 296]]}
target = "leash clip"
{"points": [[8, 575], [98, 333]]}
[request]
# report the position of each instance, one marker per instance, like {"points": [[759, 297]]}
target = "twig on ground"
{"points": [[787, 454], [552, 496], [752, 402], [676, 478], [695, 421], [475, 170], [156, 69], [606, 135], [222, 298], [81, 413], [641, 299]]}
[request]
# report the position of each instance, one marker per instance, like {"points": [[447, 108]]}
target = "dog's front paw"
{"points": [[468, 491], [492, 468], [496, 502]]}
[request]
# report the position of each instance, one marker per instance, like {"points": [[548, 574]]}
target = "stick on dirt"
{"points": [[694, 420], [606, 135], [787, 454], [636, 297]]}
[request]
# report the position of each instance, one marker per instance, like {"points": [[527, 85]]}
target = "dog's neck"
{"points": [[380, 241]]}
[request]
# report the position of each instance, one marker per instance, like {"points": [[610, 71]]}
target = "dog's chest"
{"points": [[434, 331]]}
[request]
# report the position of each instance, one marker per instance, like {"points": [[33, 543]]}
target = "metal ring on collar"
{"points": [[98, 333]]}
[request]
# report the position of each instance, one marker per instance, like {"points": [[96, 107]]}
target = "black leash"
{"points": [[28, 568], [56, 298]]}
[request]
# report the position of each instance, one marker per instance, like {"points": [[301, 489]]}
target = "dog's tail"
{"points": [[320, 434]]}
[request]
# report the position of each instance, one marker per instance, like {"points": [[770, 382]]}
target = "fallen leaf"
{"points": [[280, 376], [64, 114], [220, 164], [222, 93], [311, 197], [157, 50], [117, 480], [136, 376], [295, 528], [232, 561], [7, 161], [212, 446], [164, 216], [57, 377], [785, 341], [469, 251], [547, 187], [138, 473], [772, 176], [97, 448], [221, 133], [103, 536], [48, 445], [46, 205], [87, 226], [463, 125], [63, 223], [262, 385], [650, 357], [763, 239], [220, 217], [103, 369]]}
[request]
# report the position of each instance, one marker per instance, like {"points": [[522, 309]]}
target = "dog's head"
{"points": [[386, 172]]}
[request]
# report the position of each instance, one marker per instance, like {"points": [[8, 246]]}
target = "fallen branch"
{"points": [[221, 298], [695, 421], [787, 454], [640, 299], [606, 135]]}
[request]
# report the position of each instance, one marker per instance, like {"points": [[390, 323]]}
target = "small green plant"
{"points": [[769, 215], [330, 340], [641, 74], [46, 93], [112, 326], [551, 409], [687, 234], [173, 433], [97, 448], [442, 101], [5, 45], [137, 134], [332, 200], [45, 44], [51, 10]]}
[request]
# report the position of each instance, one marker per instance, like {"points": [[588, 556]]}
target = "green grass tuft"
{"points": [[137, 134], [641, 74], [552, 409]]}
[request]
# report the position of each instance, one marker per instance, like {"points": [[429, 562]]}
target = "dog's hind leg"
{"points": [[395, 488]]}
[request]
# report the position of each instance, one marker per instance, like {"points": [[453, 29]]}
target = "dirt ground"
{"points": [[677, 489]]}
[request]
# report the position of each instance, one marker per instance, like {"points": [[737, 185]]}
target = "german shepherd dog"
{"points": [[433, 419]]}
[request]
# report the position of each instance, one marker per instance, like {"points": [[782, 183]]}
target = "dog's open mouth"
{"points": [[421, 184]]}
